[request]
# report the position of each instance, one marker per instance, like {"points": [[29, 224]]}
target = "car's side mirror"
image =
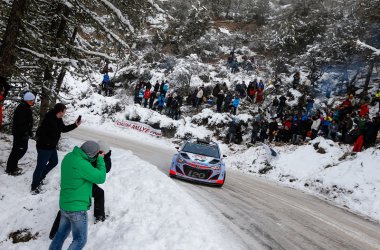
{"points": [[177, 148], [224, 156]]}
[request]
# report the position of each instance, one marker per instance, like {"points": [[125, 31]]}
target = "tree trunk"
{"points": [[62, 74], [48, 97], [8, 48], [368, 76]]}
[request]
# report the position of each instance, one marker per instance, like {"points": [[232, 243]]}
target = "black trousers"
{"points": [[19, 148], [98, 195]]}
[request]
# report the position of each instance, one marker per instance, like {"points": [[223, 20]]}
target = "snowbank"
{"points": [[146, 209]]}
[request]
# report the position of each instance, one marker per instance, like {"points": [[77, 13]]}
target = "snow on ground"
{"points": [[322, 168], [147, 210]]}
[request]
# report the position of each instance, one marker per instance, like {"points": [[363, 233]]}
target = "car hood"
{"points": [[200, 158]]}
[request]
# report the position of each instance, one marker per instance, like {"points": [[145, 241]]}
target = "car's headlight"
{"points": [[217, 167], [180, 160]]}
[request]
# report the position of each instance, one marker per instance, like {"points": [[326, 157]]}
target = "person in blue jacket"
{"points": [[161, 102], [105, 84], [235, 104]]}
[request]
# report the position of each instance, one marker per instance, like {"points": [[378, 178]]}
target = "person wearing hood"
{"points": [[219, 101], [48, 135], [21, 130], [77, 178]]}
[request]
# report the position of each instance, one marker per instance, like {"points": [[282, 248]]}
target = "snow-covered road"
{"points": [[262, 214]]}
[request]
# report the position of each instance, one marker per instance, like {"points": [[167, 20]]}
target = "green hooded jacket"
{"points": [[77, 177]]}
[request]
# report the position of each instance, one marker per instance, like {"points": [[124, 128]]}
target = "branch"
{"points": [[105, 29], [51, 58], [119, 15], [105, 56], [376, 52]]}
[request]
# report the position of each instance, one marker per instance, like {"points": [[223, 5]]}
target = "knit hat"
{"points": [[28, 96], [91, 148], [104, 147]]}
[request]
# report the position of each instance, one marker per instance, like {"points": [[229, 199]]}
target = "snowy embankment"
{"points": [[321, 167], [146, 209]]}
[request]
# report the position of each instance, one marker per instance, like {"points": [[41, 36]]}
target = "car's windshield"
{"points": [[201, 149]]}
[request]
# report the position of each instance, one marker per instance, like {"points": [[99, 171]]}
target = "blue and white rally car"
{"points": [[199, 161]]}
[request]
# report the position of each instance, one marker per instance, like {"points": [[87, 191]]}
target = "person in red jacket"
{"points": [[146, 97], [364, 110]]}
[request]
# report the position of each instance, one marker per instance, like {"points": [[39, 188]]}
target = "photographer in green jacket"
{"points": [[77, 177]]}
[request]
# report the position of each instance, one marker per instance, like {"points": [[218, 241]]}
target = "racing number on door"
{"points": [[198, 175]]}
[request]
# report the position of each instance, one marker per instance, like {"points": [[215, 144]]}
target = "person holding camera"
{"points": [[97, 192], [21, 130], [77, 178], [48, 135]]}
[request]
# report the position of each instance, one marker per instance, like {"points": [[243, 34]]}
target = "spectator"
{"points": [[219, 101], [309, 106], [152, 98], [251, 91], [378, 98], [77, 178], [259, 96], [315, 126], [235, 104], [165, 88], [232, 130], [105, 84], [146, 96], [234, 66], [255, 131], [282, 105], [345, 126], [140, 96], [333, 130], [227, 102], [273, 129], [156, 86], [364, 110], [48, 135], [224, 87], [261, 85], [160, 103], [216, 90], [174, 109], [97, 192], [296, 79], [21, 131], [373, 126], [199, 96], [275, 104]]}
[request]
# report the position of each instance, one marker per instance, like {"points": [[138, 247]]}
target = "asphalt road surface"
{"points": [[262, 214]]}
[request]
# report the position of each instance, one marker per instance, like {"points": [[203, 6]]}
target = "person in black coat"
{"points": [[156, 86], [219, 101], [21, 131], [48, 135]]}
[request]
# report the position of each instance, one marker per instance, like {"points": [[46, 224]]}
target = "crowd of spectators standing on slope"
{"points": [[161, 98], [158, 97], [349, 123]]}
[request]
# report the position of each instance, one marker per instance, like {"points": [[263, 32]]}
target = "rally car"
{"points": [[199, 161]]}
